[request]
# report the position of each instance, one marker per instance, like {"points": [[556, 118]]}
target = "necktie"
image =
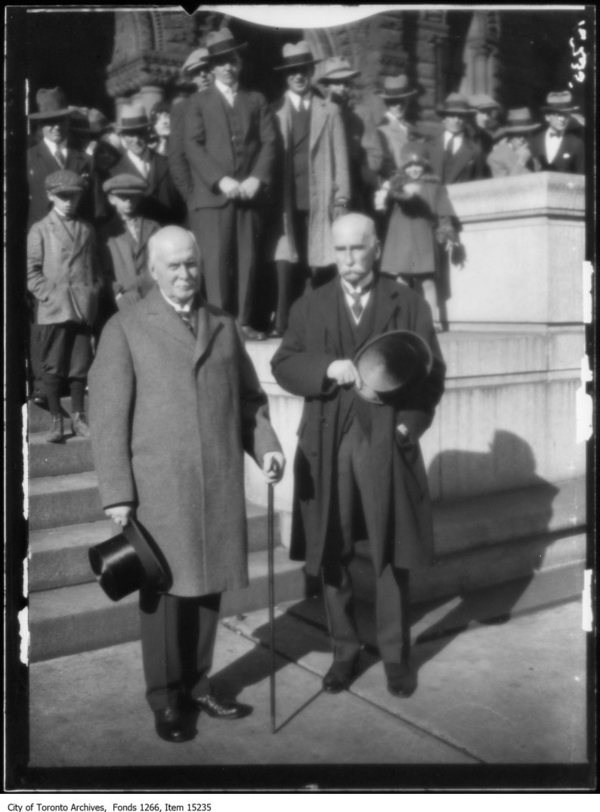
{"points": [[134, 229], [186, 318], [60, 158], [450, 145], [357, 306]]}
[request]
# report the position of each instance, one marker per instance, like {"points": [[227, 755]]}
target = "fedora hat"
{"points": [[336, 68], [52, 103], [391, 361], [481, 101], [222, 42], [560, 102], [127, 562], [132, 117], [455, 105], [397, 87], [296, 56], [195, 60], [518, 120]]}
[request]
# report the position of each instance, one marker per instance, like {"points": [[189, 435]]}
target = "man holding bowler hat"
{"points": [[359, 448], [174, 403]]}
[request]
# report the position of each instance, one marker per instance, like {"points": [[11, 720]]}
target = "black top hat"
{"points": [[129, 561], [390, 362]]}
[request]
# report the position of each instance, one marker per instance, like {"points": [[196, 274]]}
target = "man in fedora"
{"points": [[52, 152], [484, 124], [453, 156], [162, 202], [355, 454], [174, 403], [316, 178], [364, 149], [230, 143], [512, 154], [196, 72], [394, 129], [556, 149]]}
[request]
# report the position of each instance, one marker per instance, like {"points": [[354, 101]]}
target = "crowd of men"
{"points": [[147, 248]]}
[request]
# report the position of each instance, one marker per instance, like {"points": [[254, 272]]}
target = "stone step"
{"points": [[64, 500], [74, 456], [81, 618], [59, 555], [39, 418]]}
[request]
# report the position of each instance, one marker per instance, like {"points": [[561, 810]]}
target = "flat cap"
{"points": [[64, 181], [125, 184]]}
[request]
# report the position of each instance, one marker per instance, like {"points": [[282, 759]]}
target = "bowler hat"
{"points": [[124, 184], [481, 101], [52, 103], [391, 361], [222, 42], [336, 68], [296, 56], [129, 561], [455, 105], [63, 180], [560, 102], [132, 118], [518, 121], [397, 87], [195, 60]]}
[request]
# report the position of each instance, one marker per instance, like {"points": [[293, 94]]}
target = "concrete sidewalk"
{"points": [[511, 692]]}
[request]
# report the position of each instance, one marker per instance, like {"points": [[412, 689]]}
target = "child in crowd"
{"points": [[63, 275], [421, 223], [124, 241]]}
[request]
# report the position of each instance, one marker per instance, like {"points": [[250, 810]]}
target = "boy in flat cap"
{"points": [[124, 241], [63, 275]]}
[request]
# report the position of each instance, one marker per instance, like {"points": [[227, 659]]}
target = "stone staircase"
{"points": [[68, 612]]}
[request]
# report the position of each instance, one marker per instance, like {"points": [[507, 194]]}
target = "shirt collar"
{"points": [[186, 308], [55, 147], [395, 120], [226, 90], [296, 99], [365, 283]]}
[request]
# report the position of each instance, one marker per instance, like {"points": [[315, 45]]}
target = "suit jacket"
{"points": [[124, 261], [40, 164], [329, 180], [171, 416], [209, 148], [400, 492], [162, 202], [569, 158], [63, 271], [465, 165], [178, 163]]}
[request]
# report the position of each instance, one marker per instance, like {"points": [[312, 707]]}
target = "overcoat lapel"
{"points": [[164, 318], [317, 120]]}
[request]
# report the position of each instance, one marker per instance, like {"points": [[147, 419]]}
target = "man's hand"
{"points": [[119, 514], [229, 187], [249, 188], [273, 466], [344, 373]]}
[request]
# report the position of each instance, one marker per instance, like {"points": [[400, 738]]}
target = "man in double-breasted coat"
{"points": [[453, 156], [174, 404], [230, 142], [347, 445]]}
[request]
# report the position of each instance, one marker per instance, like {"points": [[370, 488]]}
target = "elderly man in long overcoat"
{"points": [[174, 404], [347, 445]]}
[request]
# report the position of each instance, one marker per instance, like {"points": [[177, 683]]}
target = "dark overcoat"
{"points": [[404, 534], [125, 261], [171, 416], [466, 164], [569, 158], [162, 201]]}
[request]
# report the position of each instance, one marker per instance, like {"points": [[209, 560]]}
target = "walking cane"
{"points": [[271, 567]]}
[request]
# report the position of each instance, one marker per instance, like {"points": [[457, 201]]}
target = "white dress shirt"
{"points": [[140, 164], [227, 91], [54, 148], [350, 295], [457, 142], [299, 102], [552, 143]]}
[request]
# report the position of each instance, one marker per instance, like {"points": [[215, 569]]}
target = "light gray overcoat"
{"points": [[329, 180], [171, 416]]}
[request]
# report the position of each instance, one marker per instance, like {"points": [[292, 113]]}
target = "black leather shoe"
{"points": [[401, 679], [173, 725], [220, 708], [340, 676]]}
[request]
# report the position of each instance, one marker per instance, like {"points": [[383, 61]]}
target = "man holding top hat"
{"points": [[556, 149], [363, 353], [174, 403], [229, 143], [316, 178]]}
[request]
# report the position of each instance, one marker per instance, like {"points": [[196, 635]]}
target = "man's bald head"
{"points": [[356, 247], [174, 261]]}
